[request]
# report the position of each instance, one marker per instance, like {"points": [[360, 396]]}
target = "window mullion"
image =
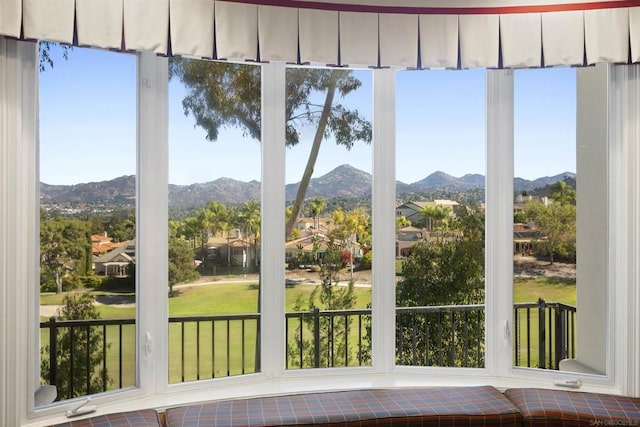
{"points": [[18, 227], [499, 222], [383, 219], [152, 222], [272, 240]]}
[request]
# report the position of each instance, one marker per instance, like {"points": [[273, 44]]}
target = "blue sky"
{"points": [[87, 126]]}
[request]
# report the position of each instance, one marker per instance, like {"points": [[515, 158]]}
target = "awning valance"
{"points": [[377, 33]]}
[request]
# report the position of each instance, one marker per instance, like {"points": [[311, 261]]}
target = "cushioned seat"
{"points": [[468, 406], [143, 418], [540, 407]]}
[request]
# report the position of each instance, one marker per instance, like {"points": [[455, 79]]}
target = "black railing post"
{"points": [[542, 358], [316, 337], [561, 338], [53, 350]]}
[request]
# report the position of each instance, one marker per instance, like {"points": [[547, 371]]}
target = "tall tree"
{"points": [[181, 263], [228, 95], [562, 193], [441, 272], [557, 224], [316, 207], [331, 338], [249, 218], [79, 355], [64, 244]]}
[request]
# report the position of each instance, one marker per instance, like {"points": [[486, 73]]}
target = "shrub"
{"points": [[91, 281], [365, 262]]}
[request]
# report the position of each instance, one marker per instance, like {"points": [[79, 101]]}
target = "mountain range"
{"points": [[345, 181]]}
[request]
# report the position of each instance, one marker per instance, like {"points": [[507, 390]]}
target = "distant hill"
{"points": [[120, 190], [343, 182]]}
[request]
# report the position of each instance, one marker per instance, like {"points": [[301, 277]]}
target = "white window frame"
{"points": [[18, 259]]}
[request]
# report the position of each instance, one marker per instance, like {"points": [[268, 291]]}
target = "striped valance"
{"points": [[378, 33]]}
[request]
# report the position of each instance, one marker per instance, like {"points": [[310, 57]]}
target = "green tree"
{"points": [[82, 349], [333, 332], [557, 225], [443, 272], [249, 219], [64, 245], [228, 95], [436, 218], [562, 193], [181, 263], [316, 207]]}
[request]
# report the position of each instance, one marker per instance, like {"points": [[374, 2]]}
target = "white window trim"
{"points": [[19, 253]]}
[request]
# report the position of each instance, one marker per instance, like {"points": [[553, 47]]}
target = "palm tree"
{"points": [[249, 218], [435, 217], [316, 207]]}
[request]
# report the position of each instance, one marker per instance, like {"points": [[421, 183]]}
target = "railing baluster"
{"points": [[516, 336], [228, 349], [104, 357], [53, 351], [72, 345], [346, 340], [528, 337], [182, 350], [243, 346], [213, 348], [120, 355], [198, 350], [88, 359], [541, 334]]}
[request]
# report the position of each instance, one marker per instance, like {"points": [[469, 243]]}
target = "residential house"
{"points": [[413, 210], [233, 250], [116, 261], [406, 237]]}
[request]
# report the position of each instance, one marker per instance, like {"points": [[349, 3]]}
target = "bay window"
{"points": [[602, 101]]}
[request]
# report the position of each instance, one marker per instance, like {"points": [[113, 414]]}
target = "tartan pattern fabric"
{"points": [[468, 406], [143, 418], [542, 407]]}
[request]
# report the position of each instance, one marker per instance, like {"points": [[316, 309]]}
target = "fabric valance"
{"points": [[369, 33]]}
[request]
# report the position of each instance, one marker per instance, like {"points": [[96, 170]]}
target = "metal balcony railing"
{"points": [[203, 347]]}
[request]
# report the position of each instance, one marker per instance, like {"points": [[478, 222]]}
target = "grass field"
{"points": [[237, 298]]}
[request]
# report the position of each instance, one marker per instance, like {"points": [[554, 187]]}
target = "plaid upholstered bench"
{"points": [[142, 418], [541, 407], [468, 406]]}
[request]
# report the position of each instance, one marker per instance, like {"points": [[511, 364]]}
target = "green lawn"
{"points": [[236, 298]]}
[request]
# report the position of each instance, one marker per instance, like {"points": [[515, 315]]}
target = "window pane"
{"points": [[550, 232], [328, 216], [214, 213], [440, 170], [87, 220]]}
